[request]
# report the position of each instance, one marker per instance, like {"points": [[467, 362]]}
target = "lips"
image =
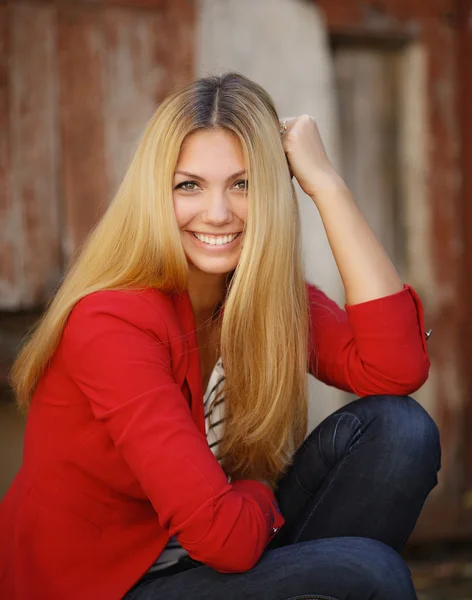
{"points": [[216, 240]]}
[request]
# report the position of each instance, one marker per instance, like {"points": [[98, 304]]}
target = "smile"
{"points": [[216, 240]]}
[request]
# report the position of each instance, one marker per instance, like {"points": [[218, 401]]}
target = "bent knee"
{"points": [[361, 568], [400, 421]]}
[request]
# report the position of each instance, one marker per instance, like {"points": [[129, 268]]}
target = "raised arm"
{"points": [[118, 355], [376, 346], [363, 264]]}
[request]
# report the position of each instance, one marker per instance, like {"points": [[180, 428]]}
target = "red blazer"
{"points": [[115, 455]]}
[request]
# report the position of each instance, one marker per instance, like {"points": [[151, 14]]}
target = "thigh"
{"points": [[330, 569]]}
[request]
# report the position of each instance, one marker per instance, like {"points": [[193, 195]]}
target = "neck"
{"points": [[205, 291]]}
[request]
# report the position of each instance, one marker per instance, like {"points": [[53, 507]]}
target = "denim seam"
{"points": [[361, 433], [335, 476], [335, 432], [302, 488], [316, 505], [355, 417], [320, 446], [361, 428]]}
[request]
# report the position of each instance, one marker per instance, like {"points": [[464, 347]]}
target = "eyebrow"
{"points": [[199, 178]]}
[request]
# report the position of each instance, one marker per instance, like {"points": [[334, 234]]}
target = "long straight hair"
{"points": [[264, 331]]}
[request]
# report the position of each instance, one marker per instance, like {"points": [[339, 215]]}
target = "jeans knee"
{"points": [[406, 427], [392, 421], [335, 436], [402, 437], [360, 567], [382, 570]]}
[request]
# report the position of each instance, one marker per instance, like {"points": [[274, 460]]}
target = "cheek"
{"points": [[183, 212], [243, 210], [240, 208]]}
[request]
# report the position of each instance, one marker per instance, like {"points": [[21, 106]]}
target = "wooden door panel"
{"points": [[368, 111]]}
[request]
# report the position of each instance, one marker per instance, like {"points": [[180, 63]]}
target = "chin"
{"points": [[214, 267]]}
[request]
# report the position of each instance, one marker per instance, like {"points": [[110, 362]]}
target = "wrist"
{"points": [[325, 185]]}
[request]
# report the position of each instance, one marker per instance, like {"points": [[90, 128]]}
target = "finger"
{"points": [[284, 124]]}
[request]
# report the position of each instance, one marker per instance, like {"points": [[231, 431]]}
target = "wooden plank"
{"points": [[465, 83], [116, 65], [30, 256], [143, 65], [178, 45], [84, 173], [446, 313], [7, 258], [135, 77]]}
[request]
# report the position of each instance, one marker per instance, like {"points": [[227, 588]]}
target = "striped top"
{"points": [[214, 418]]}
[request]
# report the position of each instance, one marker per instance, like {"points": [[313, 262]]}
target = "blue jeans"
{"points": [[350, 500]]}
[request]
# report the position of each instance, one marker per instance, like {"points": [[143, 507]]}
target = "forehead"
{"points": [[211, 151]]}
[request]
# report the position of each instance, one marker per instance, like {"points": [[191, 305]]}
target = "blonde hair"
{"points": [[264, 333]]}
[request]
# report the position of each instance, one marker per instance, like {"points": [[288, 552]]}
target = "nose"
{"points": [[218, 209]]}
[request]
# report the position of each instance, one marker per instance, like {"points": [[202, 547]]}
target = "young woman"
{"points": [[165, 452]]}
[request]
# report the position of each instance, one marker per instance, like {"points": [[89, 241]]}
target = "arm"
{"points": [[365, 269], [115, 344], [375, 347], [363, 264], [378, 345]]}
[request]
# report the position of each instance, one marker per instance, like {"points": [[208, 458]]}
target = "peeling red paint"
{"points": [[72, 110], [29, 227], [84, 179], [465, 82], [77, 83]]}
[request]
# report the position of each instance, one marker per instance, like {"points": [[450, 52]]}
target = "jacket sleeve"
{"points": [[118, 356], [376, 347]]}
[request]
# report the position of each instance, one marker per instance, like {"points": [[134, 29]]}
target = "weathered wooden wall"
{"points": [[464, 19], [433, 28], [29, 236], [78, 82]]}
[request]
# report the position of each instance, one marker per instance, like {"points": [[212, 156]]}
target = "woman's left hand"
{"points": [[307, 156], [363, 264]]}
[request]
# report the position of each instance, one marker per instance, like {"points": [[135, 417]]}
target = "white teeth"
{"points": [[215, 240]]}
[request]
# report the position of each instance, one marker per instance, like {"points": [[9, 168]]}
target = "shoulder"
{"points": [[148, 310], [318, 301], [311, 290]]}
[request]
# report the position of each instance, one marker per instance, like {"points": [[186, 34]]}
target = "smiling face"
{"points": [[210, 200]]}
